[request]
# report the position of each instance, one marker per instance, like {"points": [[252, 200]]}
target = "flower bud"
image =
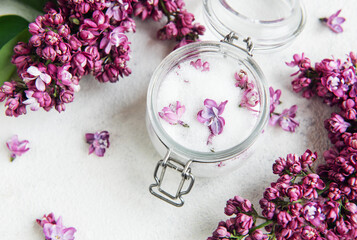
{"points": [[66, 96], [22, 49], [35, 41], [48, 53]]}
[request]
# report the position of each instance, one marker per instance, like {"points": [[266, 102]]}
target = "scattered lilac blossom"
{"points": [[173, 113], [98, 141], [274, 98], [199, 65], [242, 80], [210, 116], [17, 147], [334, 22], [54, 230], [286, 119], [250, 98]]}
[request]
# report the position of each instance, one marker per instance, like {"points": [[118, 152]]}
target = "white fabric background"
{"points": [[108, 198]]}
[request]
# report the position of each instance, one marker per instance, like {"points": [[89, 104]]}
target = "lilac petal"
{"points": [[336, 14], [221, 107], [47, 230], [205, 67], [34, 71], [180, 111], [210, 103], [339, 20], [91, 149], [274, 119], [45, 77], [288, 124], [29, 93], [40, 85], [292, 111], [104, 42], [59, 222], [200, 118], [207, 113], [337, 28], [68, 233], [99, 151], [108, 48], [89, 137], [217, 126], [171, 118]]}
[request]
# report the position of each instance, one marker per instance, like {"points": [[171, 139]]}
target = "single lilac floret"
{"points": [[334, 22], [286, 119], [98, 141], [242, 79], [203, 67], [114, 38], [31, 101], [250, 99], [41, 77], [17, 147], [54, 230], [173, 113], [210, 116], [274, 98]]}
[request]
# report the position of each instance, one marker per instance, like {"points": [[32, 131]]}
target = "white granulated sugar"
{"points": [[191, 87]]}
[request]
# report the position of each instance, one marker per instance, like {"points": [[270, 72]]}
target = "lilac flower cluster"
{"points": [[54, 230], [299, 205], [303, 204], [72, 39], [79, 37], [286, 119], [250, 97], [179, 27]]}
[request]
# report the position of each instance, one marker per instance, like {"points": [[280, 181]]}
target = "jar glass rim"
{"points": [[197, 156], [261, 21]]}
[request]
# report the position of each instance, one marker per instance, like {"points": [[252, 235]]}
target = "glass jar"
{"points": [[189, 162]]}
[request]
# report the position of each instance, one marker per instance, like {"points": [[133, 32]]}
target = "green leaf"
{"points": [[36, 4], [10, 27], [6, 52]]}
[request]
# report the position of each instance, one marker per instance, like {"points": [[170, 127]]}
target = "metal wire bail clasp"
{"points": [[232, 36], [184, 169]]}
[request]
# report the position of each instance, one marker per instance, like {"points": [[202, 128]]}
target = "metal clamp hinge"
{"points": [[249, 43], [184, 169]]}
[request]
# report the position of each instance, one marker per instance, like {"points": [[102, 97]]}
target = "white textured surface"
{"points": [[108, 198]]}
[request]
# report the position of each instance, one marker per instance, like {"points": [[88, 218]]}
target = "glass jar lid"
{"points": [[270, 24]]}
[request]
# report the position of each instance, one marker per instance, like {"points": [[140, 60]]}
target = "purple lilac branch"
{"points": [[179, 27], [75, 38], [302, 203]]}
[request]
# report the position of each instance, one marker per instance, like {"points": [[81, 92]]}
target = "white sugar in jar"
{"points": [[190, 85], [205, 149]]}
